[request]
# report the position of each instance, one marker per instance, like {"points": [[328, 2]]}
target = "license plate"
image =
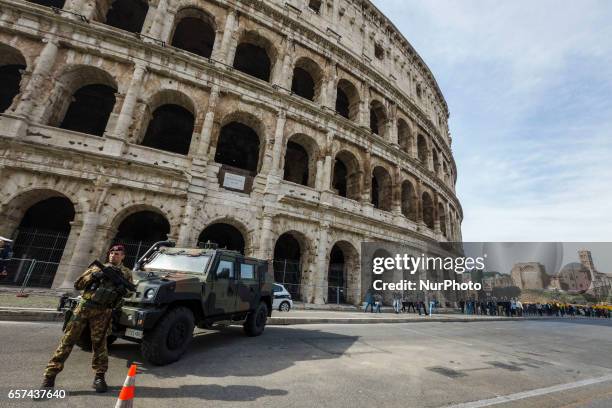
{"points": [[137, 334]]}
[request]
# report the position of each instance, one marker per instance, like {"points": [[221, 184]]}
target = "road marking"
{"points": [[532, 393]]}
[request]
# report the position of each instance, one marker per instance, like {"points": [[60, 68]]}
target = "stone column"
{"points": [[207, 126], [364, 112], [265, 238], [283, 76], [367, 179], [32, 97], [327, 173], [272, 164], [320, 281], [419, 202], [125, 118], [397, 190], [328, 91], [392, 136], [216, 51], [228, 33], [186, 223], [159, 19], [83, 250]]}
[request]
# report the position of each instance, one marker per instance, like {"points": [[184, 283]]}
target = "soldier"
{"points": [[100, 296]]}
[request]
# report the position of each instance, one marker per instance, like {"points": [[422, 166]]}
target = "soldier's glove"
{"points": [[98, 275]]}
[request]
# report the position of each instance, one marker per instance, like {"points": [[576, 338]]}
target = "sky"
{"points": [[529, 89]]}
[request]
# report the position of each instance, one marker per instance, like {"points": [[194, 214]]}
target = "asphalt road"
{"points": [[524, 363]]}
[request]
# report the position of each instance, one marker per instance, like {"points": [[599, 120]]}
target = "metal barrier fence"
{"points": [[27, 272]]}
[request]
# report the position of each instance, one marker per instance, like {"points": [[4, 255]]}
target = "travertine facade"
{"points": [[313, 119]]}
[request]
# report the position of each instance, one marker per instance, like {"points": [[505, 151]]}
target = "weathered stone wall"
{"points": [[111, 176]]}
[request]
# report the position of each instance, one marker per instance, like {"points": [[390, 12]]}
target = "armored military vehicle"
{"points": [[180, 288]]}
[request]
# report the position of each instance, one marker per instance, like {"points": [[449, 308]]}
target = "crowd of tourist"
{"points": [[514, 307]]}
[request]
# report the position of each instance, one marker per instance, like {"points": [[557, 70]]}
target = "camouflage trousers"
{"points": [[99, 325]]}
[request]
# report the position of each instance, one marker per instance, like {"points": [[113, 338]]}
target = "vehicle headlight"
{"points": [[149, 294]]}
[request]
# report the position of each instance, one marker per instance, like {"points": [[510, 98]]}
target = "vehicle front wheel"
{"points": [[284, 307], [256, 321], [170, 338]]}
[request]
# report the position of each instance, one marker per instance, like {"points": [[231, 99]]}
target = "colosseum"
{"points": [[291, 130]]}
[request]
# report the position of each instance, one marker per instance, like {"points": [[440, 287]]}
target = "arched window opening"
{"points": [[296, 164], [10, 78], [138, 231], [194, 32], [409, 201], [128, 15], [303, 84], [428, 210], [381, 189], [336, 276], [49, 3], [170, 129], [377, 118], [90, 109], [347, 100], [224, 235], [403, 136], [288, 264], [238, 147], [422, 149], [346, 178], [442, 218], [253, 58]]}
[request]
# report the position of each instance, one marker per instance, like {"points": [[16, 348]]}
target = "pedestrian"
{"points": [[462, 306], [397, 302], [432, 305], [6, 253], [369, 301], [100, 295], [378, 302]]}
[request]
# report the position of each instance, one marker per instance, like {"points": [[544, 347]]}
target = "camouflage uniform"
{"points": [[98, 317]]}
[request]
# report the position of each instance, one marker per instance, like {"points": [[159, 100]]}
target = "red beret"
{"points": [[117, 247]]}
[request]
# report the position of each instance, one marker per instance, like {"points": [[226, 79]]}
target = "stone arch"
{"points": [[404, 137], [291, 256], [240, 142], [128, 15], [194, 31], [12, 64], [85, 99], [442, 218], [378, 118], [428, 210], [36, 234], [255, 55], [382, 189], [307, 79], [347, 100], [409, 200], [300, 160], [342, 273], [170, 117], [137, 228], [422, 149], [346, 175], [226, 233]]}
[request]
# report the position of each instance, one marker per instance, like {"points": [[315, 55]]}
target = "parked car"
{"points": [[281, 298]]}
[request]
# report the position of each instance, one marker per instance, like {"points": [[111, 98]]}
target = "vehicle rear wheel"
{"points": [[170, 338], [284, 307], [256, 321]]}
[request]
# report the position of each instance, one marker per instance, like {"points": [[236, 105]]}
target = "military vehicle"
{"points": [[180, 288]]}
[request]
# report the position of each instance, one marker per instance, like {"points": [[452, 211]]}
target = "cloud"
{"points": [[529, 87]]}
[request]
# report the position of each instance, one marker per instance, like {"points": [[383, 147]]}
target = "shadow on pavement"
{"points": [[210, 392], [229, 352]]}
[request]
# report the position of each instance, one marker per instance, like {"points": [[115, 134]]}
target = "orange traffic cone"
{"points": [[126, 396]]}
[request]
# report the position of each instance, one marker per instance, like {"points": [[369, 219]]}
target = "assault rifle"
{"points": [[115, 276]]}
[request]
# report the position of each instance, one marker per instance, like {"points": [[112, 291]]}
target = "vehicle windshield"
{"points": [[188, 262]]}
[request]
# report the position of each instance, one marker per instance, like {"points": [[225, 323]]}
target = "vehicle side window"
{"points": [[276, 289], [247, 272], [225, 270]]}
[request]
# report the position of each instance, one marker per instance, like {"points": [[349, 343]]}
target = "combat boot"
{"points": [[48, 381], [99, 383]]}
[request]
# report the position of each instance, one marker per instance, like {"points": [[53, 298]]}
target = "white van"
{"points": [[282, 298]]}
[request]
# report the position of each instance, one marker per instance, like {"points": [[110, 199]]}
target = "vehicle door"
{"points": [[222, 297], [248, 285]]}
